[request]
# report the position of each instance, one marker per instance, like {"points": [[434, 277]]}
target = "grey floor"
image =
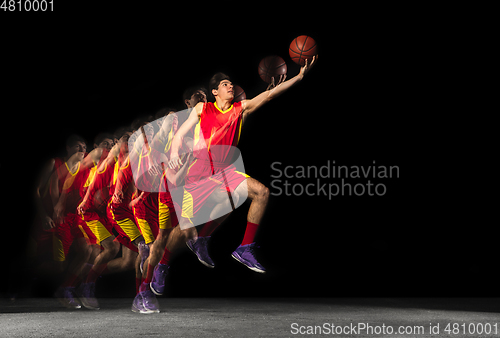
{"points": [[254, 317]]}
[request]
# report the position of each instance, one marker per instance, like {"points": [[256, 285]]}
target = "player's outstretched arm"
{"points": [[194, 117], [249, 106]]}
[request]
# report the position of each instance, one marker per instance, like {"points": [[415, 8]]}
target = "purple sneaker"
{"points": [[137, 305], [144, 252], [199, 247], [245, 255], [86, 293], [158, 281], [149, 300], [66, 298]]}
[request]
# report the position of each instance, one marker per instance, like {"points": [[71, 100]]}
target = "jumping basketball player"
{"points": [[220, 124]]}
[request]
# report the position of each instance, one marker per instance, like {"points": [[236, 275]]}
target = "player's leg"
{"points": [[223, 207], [146, 219], [68, 235], [259, 195], [105, 239], [124, 263], [124, 223]]}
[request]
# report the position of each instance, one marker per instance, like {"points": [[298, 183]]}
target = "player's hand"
{"points": [[58, 213], [307, 66], [154, 168], [175, 162], [136, 200], [48, 223], [81, 209], [118, 197], [280, 81]]}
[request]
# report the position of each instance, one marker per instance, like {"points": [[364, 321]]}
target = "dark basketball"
{"points": [[239, 94], [272, 66], [302, 48]]}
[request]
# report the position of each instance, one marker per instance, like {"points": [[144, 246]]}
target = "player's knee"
{"points": [[262, 193], [109, 245]]}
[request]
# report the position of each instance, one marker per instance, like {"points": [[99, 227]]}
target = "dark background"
{"points": [[83, 71]]}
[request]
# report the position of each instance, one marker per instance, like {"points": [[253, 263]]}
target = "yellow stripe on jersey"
{"points": [[91, 177], [69, 181], [169, 139], [77, 169], [239, 172], [239, 131], [115, 172], [225, 111]]}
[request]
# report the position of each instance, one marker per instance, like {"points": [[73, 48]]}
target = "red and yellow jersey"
{"points": [[73, 186], [100, 182], [123, 179], [62, 171], [145, 179], [219, 128]]}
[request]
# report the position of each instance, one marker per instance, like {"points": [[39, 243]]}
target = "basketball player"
{"points": [[200, 246], [220, 123], [170, 237], [47, 234], [68, 230], [75, 188], [103, 185]]}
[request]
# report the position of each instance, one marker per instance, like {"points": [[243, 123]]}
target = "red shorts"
{"points": [[202, 180], [167, 217], [146, 216], [97, 226], [41, 239], [64, 235], [123, 221]]}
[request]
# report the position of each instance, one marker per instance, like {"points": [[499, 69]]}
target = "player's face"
{"points": [[226, 90], [123, 141], [196, 98], [78, 147], [107, 143]]}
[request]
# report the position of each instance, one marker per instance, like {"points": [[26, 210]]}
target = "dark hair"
{"points": [[73, 139], [101, 136], [120, 131], [191, 90], [164, 112], [215, 81], [141, 121]]}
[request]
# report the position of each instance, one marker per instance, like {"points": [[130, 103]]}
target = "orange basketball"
{"points": [[239, 94], [272, 66], [302, 48]]}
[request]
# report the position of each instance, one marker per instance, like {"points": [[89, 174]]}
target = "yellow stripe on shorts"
{"points": [[147, 233], [57, 249], [164, 216], [187, 205], [129, 227], [98, 229]]}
